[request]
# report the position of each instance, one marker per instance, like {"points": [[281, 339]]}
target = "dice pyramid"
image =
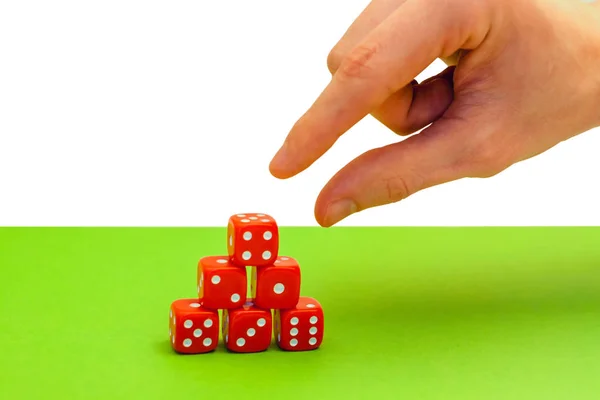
{"points": [[252, 292]]}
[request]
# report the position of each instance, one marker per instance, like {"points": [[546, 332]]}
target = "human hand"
{"points": [[523, 76]]}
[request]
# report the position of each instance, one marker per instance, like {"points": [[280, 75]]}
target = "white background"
{"points": [[168, 113]]}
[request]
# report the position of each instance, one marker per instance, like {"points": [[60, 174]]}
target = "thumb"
{"points": [[394, 172]]}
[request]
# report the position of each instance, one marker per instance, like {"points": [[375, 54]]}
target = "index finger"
{"points": [[386, 60]]}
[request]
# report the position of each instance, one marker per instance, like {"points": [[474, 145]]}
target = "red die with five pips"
{"points": [[193, 329], [247, 321]]}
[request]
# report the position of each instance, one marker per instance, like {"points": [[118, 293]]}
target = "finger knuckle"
{"points": [[403, 128], [359, 62], [486, 160], [334, 59], [398, 124], [400, 186]]}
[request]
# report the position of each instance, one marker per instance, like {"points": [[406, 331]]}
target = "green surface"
{"points": [[449, 313]]}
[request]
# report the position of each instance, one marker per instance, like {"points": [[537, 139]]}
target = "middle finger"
{"points": [[373, 15], [400, 112]]}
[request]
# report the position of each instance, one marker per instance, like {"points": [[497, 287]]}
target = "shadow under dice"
{"points": [[300, 328], [247, 329], [193, 329], [276, 286], [221, 284], [252, 239]]}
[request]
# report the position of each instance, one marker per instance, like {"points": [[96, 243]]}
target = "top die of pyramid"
{"points": [[252, 239]]}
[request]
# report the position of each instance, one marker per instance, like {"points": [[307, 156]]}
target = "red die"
{"points": [[221, 284], [247, 329], [192, 328], [276, 286], [301, 328], [252, 239]]}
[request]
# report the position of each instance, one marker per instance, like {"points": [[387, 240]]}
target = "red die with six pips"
{"points": [[300, 328]]}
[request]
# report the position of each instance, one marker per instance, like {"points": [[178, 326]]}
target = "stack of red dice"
{"points": [[249, 318]]}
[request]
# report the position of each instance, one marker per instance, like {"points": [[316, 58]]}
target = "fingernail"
{"points": [[339, 210]]}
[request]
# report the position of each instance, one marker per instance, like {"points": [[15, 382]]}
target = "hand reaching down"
{"points": [[523, 76]]}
